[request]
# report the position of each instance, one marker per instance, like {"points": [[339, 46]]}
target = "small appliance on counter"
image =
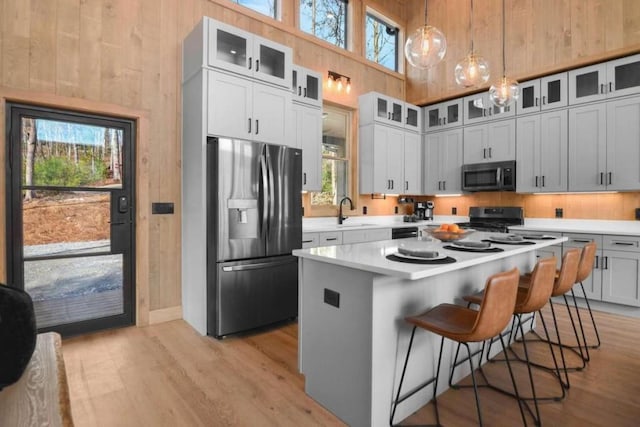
{"points": [[423, 210]]}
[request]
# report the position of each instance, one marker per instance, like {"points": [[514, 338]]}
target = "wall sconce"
{"points": [[338, 81]]}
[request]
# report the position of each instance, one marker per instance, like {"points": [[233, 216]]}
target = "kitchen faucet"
{"points": [[340, 217]]}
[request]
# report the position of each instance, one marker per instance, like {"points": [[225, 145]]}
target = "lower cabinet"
{"points": [[616, 272], [330, 238], [307, 121]]}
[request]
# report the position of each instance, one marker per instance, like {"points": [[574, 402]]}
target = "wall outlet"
{"points": [[558, 212], [637, 213], [364, 210], [332, 297], [454, 211], [396, 209]]}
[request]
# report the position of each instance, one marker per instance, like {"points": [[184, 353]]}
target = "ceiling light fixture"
{"points": [[473, 69], [427, 45], [340, 81], [504, 92]]}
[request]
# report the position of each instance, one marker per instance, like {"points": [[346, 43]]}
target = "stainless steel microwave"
{"points": [[493, 176]]}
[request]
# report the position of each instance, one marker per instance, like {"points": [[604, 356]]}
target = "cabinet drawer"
{"points": [[370, 235], [330, 238], [578, 240], [622, 243], [310, 240]]}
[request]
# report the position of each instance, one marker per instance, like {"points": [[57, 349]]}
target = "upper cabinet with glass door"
{"points": [[412, 117], [609, 79], [543, 94], [244, 53], [479, 108], [376, 107], [444, 115], [306, 86]]}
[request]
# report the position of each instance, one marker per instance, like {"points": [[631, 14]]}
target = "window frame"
{"points": [[277, 4], [347, 26], [388, 22], [352, 159]]}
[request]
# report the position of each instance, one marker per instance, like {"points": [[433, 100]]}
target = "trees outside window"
{"points": [[266, 7], [325, 19], [381, 41]]}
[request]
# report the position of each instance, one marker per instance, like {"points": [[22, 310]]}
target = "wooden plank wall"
{"points": [[123, 57], [542, 36]]}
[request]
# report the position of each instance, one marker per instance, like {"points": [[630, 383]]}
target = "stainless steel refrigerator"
{"points": [[254, 221]]}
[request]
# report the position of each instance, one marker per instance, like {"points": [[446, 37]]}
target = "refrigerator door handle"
{"points": [[265, 189], [271, 191], [255, 266]]}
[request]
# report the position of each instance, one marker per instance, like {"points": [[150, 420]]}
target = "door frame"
{"points": [[13, 202]]}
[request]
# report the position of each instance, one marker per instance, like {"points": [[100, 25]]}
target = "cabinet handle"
{"points": [[257, 65], [305, 92], [601, 178], [624, 243], [596, 265], [392, 184], [299, 90], [440, 121], [544, 99], [331, 239], [444, 185], [389, 116], [249, 130], [609, 178], [581, 241], [257, 126], [543, 180], [536, 180], [489, 152], [250, 62], [610, 90], [484, 153], [444, 120], [307, 241], [601, 88], [406, 185], [537, 102], [606, 262], [304, 178]]}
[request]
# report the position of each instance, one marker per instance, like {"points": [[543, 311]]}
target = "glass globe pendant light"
{"points": [[427, 45], [505, 91], [473, 69]]}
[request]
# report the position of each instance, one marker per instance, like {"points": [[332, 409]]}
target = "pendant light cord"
{"points": [[425, 13], [504, 62], [471, 25]]}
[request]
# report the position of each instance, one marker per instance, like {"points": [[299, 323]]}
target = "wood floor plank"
{"points": [[166, 374]]}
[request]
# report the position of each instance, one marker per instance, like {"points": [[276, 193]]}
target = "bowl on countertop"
{"points": [[448, 236]]}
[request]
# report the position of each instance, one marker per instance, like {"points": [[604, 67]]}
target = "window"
{"points": [[381, 41], [325, 19], [266, 7], [335, 157]]}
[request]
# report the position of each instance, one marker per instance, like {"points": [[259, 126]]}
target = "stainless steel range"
{"points": [[496, 219]]}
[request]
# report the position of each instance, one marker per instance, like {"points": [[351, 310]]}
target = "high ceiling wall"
{"points": [[542, 36]]}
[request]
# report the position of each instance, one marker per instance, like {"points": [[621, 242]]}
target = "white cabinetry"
{"points": [[307, 121], [593, 283], [604, 146], [367, 235], [444, 115], [244, 53], [378, 108], [306, 86], [381, 154], [412, 163], [479, 108], [242, 108], [614, 78], [543, 94], [490, 142], [443, 160], [542, 152]]}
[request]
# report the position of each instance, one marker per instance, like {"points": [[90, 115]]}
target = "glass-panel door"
{"points": [[70, 192]]}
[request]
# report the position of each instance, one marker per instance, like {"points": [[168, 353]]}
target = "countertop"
{"points": [[591, 226], [324, 224], [372, 256]]}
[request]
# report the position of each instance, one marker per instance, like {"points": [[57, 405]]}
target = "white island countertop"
{"points": [[590, 226], [372, 256]]}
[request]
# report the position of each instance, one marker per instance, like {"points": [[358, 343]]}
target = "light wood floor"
{"points": [[168, 375]]}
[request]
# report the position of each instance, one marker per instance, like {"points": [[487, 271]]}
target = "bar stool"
{"points": [[587, 260], [528, 300], [464, 325], [564, 281]]}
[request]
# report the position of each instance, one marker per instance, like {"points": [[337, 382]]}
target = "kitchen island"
{"points": [[352, 334]]}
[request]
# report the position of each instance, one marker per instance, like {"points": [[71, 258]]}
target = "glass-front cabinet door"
{"points": [[272, 62], [553, 90], [306, 86], [413, 119], [389, 110], [624, 76], [529, 101], [587, 84]]}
